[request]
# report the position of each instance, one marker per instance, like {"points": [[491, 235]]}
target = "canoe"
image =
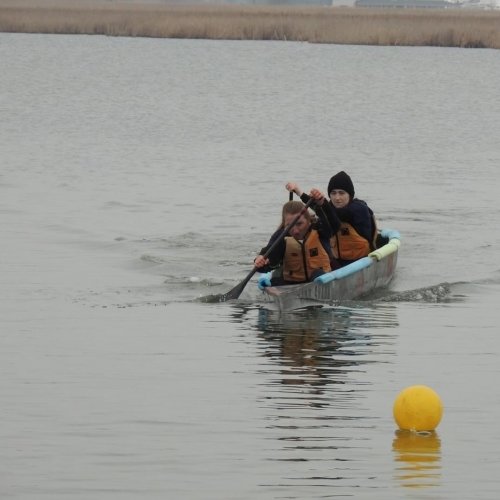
{"points": [[347, 283]]}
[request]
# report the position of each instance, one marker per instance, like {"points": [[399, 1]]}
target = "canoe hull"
{"points": [[352, 284]]}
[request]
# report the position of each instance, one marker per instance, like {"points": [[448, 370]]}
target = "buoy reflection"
{"points": [[418, 458]]}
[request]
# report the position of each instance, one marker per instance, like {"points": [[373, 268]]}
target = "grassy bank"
{"points": [[430, 27]]}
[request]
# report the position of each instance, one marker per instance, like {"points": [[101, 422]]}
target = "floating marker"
{"points": [[418, 408]]}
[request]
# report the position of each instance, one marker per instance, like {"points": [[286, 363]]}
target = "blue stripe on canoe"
{"points": [[344, 271], [390, 234]]}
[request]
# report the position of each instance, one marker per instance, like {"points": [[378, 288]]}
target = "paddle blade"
{"points": [[211, 299], [233, 294]]}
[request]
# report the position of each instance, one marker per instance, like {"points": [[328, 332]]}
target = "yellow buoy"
{"points": [[418, 408]]}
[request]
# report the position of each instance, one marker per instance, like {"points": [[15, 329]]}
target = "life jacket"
{"points": [[348, 244], [302, 258]]}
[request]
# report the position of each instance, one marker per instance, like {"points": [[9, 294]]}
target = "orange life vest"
{"points": [[348, 244], [302, 258]]}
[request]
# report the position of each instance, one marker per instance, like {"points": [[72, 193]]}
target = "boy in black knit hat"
{"points": [[356, 237]]}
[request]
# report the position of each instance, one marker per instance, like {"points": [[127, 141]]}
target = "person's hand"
{"points": [[317, 196], [261, 261], [293, 187]]}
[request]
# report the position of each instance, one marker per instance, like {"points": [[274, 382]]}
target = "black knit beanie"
{"points": [[341, 181]]}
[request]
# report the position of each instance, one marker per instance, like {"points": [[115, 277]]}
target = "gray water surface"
{"points": [[138, 175]]}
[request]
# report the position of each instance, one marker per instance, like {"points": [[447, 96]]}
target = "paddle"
{"points": [[235, 292]]}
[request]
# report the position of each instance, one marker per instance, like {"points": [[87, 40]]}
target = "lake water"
{"points": [[138, 175]]}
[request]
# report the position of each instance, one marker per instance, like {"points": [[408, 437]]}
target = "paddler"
{"points": [[305, 252], [356, 236]]}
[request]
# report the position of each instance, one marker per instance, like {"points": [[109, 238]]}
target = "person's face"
{"points": [[300, 228], [339, 197]]}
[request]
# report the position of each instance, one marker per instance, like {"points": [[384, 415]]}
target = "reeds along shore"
{"points": [[411, 27]]}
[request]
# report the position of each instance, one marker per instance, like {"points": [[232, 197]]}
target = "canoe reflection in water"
{"points": [[322, 347], [418, 458], [319, 423], [318, 378]]}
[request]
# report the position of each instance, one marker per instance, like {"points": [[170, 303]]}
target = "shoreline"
{"points": [[331, 25]]}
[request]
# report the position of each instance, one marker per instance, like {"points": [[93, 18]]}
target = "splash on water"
{"points": [[436, 293]]}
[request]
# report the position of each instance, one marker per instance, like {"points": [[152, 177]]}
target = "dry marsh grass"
{"points": [[415, 27]]}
